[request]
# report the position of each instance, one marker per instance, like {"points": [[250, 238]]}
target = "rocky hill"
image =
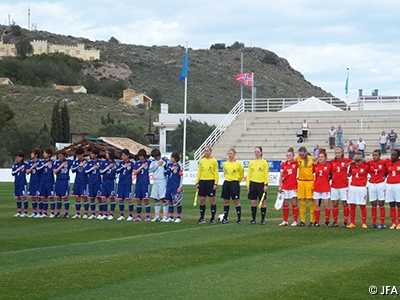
{"points": [[211, 74]]}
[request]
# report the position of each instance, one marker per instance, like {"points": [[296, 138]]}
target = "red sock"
{"points": [[335, 212], [364, 214], [317, 213], [285, 213], [393, 215], [327, 214], [346, 214], [398, 215], [373, 215], [353, 213], [295, 213], [383, 214]]}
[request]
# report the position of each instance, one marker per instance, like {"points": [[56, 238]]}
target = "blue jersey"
{"points": [[46, 172], [34, 174], [78, 167], [93, 174], [174, 174], [19, 175], [63, 174], [125, 173], [143, 176], [108, 173]]}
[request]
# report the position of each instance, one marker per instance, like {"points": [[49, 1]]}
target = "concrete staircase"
{"points": [[275, 132]]}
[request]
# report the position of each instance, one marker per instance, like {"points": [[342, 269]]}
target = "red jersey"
{"points": [[289, 173], [322, 172], [359, 174], [377, 170], [393, 172], [339, 173]]}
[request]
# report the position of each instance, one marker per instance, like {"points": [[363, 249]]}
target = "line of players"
{"points": [[95, 179], [322, 182]]}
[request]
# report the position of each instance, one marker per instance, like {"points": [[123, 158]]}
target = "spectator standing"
{"points": [[304, 128], [351, 149], [316, 152], [332, 137], [383, 141], [339, 136], [361, 146], [392, 136]]}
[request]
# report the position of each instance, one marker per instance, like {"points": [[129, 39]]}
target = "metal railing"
{"points": [[237, 110]]}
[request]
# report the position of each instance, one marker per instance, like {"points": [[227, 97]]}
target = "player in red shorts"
{"points": [[322, 188], [393, 187], [358, 190], [377, 187], [339, 186], [288, 185]]}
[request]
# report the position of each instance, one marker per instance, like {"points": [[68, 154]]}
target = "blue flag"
{"points": [[346, 87], [184, 68]]}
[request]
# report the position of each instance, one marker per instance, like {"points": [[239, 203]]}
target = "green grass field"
{"points": [[91, 259]]}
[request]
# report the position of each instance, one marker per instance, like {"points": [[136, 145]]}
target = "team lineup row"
{"points": [[96, 179]]}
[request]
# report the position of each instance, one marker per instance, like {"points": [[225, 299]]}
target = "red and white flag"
{"points": [[246, 78]]}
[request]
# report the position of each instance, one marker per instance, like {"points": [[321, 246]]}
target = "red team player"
{"points": [[377, 186], [288, 185], [322, 188], [339, 186], [393, 187], [358, 190]]}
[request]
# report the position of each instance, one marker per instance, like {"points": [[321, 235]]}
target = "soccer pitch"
{"points": [[92, 259]]}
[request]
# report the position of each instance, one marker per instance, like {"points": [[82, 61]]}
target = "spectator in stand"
{"points": [[304, 128], [392, 136], [339, 135], [332, 137], [351, 149], [361, 146], [383, 141]]}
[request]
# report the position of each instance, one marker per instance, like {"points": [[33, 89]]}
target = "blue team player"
{"points": [[174, 186], [107, 170], [141, 170], [94, 181], [61, 187], [45, 168], [80, 184], [124, 170], [19, 172], [34, 183]]}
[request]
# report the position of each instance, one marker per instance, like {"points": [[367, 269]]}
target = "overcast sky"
{"points": [[321, 39]]}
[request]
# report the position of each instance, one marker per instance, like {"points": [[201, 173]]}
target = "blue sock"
{"points": [[26, 205], [139, 210], [34, 204], [59, 204], [105, 209], [179, 209], [130, 207], [78, 208], [112, 206], [122, 208], [66, 205], [148, 208], [171, 209], [19, 204], [86, 206], [45, 206], [40, 205], [93, 207]]}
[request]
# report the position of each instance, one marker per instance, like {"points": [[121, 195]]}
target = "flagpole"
{"points": [[241, 71], [184, 116]]}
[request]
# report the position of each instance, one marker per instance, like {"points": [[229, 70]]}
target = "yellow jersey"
{"points": [[258, 171], [233, 171], [306, 170], [208, 170]]}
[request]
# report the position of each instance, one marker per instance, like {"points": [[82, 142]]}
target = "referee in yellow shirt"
{"points": [[305, 185], [233, 173], [257, 184], [207, 183]]}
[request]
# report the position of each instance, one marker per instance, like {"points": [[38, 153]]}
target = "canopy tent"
{"points": [[311, 104]]}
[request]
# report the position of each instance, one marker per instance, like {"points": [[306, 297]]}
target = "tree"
{"points": [[236, 45], [218, 46], [6, 115], [24, 49], [156, 95], [56, 124], [196, 134], [113, 40], [65, 122]]}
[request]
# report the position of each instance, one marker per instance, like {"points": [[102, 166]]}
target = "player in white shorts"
{"points": [[393, 187], [376, 188]]}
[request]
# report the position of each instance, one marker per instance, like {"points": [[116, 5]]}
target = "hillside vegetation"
{"points": [[211, 74]]}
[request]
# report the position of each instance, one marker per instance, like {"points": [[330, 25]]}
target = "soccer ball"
{"points": [[220, 217]]}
